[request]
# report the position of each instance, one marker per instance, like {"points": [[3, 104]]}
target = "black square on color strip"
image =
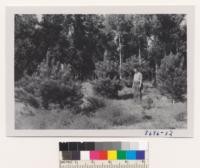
{"points": [[63, 146], [73, 146], [75, 155], [81, 146], [89, 146]]}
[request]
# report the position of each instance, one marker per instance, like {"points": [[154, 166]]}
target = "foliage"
{"points": [[26, 97], [83, 41], [56, 91], [25, 47], [168, 30], [131, 63], [182, 116], [107, 83], [107, 87], [107, 69], [172, 77], [110, 69], [147, 103], [53, 84], [60, 49], [28, 84], [57, 85], [92, 104]]}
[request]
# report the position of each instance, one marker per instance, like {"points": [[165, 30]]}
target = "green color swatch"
{"points": [[121, 155]]}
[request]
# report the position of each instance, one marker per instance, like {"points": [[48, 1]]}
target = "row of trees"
{"points": [[89, 42], [82, 40]]}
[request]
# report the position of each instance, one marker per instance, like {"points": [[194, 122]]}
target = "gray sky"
{"points": [[39, 16]]}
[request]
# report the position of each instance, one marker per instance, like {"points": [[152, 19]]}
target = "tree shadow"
{"points": [[125, 97]]}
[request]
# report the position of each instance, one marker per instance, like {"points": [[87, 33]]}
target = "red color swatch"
{"points": [[103, 155]]}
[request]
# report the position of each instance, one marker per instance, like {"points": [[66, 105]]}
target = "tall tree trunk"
{"points": [[105, 55], [120, 59], [156, 72], [139, 56]]}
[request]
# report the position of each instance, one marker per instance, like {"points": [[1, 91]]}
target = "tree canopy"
{"points": [[83, 40]]}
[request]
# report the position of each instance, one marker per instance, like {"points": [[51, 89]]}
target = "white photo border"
{"points": [[10, 102]]}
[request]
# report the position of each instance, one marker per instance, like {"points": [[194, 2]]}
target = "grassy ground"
{"points": [[111, 113]]}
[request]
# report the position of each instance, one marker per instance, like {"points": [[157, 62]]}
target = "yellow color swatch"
{"points": [[112, 155]]}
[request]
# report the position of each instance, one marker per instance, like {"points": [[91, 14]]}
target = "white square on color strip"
{"points": [[85, 155], [143, 146], [60, 154], [134, 145], [125, 145]]}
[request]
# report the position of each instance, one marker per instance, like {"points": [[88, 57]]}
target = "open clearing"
{"points": [[115, 114]]}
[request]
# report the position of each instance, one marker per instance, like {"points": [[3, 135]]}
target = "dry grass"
{"points": [[113, 116], [107, 114]]}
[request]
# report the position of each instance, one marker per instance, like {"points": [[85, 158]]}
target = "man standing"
{"points": [[137, 85]]}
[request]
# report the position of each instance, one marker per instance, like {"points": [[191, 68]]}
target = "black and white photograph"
{"points": [[100, 71]]}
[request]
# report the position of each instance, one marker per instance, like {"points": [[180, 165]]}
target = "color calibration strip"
{"points": [[103, 151]]}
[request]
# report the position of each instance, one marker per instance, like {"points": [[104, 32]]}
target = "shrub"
{"points": [[30, 84], [55, 91], [172, 77], [23, 96], [107, 83], [127, 82], [128, 69], [107, 69], [53, 70], [52, 83], [91, 104], [108, 87], [182, 116], [147, 103]]}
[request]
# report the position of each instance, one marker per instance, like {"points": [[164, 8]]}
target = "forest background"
{"points": [[76, 71]]}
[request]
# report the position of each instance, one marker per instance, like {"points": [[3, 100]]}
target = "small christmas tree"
{"points": [[172, 77]]}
